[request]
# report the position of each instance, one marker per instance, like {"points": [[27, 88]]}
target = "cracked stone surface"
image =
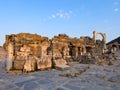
{"points": [[78, 77]]}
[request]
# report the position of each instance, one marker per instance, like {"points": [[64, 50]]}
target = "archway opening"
{"points": [[88, 49], [99, 37], [114, 47]]}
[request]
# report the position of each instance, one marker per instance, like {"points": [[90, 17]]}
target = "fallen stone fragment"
{"points": [[62, 67]]}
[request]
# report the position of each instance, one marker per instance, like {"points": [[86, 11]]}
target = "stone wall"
{"points": [[64, 46], [30, 52], [114, 45], [24, 49]]}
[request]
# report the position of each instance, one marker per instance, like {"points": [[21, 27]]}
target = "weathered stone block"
{"points": [[60, 62], [29, 66], [43, 64], [18, 64], [62, 67]]}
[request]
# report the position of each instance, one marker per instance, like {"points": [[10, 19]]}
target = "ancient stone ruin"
{"points": [[27, 52], [31, 52], [114, 45]]}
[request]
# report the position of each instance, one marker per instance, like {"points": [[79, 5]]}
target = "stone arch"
{"points": [[95, 35]]}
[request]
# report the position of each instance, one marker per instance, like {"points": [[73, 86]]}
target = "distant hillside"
{"points": [[115, 40]]}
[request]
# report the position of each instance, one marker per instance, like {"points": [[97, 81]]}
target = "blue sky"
{"points": [[50, 17]]}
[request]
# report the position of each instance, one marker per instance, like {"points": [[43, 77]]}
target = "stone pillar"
{"points": [[67, 52], [76, 49], [104, 38], [10, 57], [94, 35], [84, 50]]}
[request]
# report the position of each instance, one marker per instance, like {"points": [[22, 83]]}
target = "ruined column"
{"points": [[10, 57], [76, 49], [83, 50], [104, 35], [94, 35], [67, 52]]}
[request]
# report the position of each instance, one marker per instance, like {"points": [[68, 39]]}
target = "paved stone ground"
{"points": [[79, 77]]}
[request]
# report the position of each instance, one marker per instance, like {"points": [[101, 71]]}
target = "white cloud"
{"points": [[70, 11], [116, 5], [53, 16], [116, 9], [61, 14]]}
